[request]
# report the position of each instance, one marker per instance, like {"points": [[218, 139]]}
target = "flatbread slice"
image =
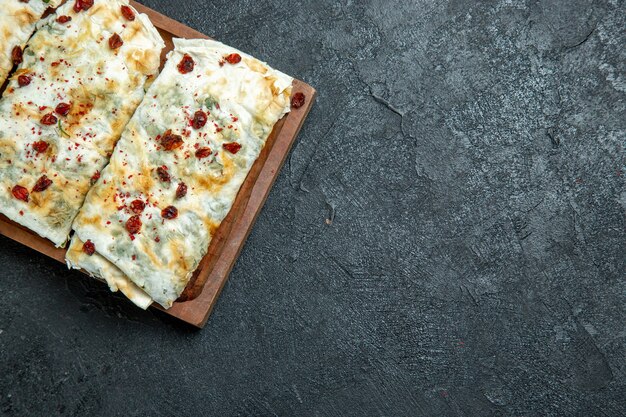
{"points": [[84, 73], [181, 161], [17, 24], [98, 267]]}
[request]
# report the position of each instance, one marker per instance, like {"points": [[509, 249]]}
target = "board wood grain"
{"points": [[202, 293]]}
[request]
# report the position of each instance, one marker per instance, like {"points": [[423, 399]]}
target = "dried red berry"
{"points": [[115, 41], [82, 5], [163, 174], [20, 193], [170, 141], [64, 19], [128, 13], [169, 212], [199, 120], [40, 146], [133, 225], [89, 248], [49, 119], [232, 147], [203, 153], [186, 64], [298, 100], [17, 55], [95, 177], [233, 59], [63, 109], [42, 184], [181, 191], [23, 80], [137, 206]]}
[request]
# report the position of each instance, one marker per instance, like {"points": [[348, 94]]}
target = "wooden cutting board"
{"points": [[212, 274]]}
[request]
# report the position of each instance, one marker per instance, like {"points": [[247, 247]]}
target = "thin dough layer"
{"points": [[17, 24], [136, 215], [98, 267], [65, 108]]}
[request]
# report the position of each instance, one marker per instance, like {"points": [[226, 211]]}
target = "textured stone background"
{"points": [[447, 237]]}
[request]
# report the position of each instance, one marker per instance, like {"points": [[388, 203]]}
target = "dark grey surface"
{"points": [[447, 237]]}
